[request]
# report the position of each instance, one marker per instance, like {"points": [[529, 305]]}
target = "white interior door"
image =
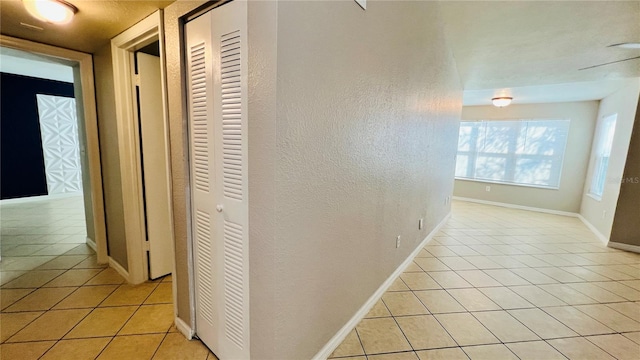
{"points": [[217, 89], [155, 166]]}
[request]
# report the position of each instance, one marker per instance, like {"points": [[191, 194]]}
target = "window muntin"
{"points": [[603, 153]]}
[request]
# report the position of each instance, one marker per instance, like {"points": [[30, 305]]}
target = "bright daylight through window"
{"points": [[602, 154], [521, 152]]}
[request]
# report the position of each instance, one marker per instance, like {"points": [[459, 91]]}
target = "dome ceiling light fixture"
{"points": [[52, 11], [501, 101]]}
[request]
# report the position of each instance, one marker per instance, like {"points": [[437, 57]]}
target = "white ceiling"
{"points": [[524, 47], [22, 63]]}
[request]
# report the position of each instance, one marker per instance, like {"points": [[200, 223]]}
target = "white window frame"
{"points": [[511, 156], [603, 145]]}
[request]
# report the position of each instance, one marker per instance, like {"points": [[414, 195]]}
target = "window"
{"points": [[522, 152], [602, 154]]}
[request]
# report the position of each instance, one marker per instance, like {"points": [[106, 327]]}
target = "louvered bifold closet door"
{"points": [[218, 141]]}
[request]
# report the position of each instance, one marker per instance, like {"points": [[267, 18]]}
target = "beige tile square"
{"points": [[424, 332], [577, 321], [77, 349], [489, 352], [409, 355], [6, 276], [559, 275], [456, 263], [102, 322], [163, 294], [478, 278], [610, 317], [90, 262], [86, 297], [473, 300], [542, 324], [584, 274], [25, 351], [505, 298], [73, 278], [595, 292], [537, 296], [449, 280], [567, 294], [63, 262], [439, 301], [177, 347], [129, 295], [506, 277], [617, 345], [633, 336], [579, 349], [10, 296], [628, 309], [403, 303], [107, 277], [430, 264], [620, 290], [533, 276], [413, 267], [465, 329], [33, 279], [419, 281], [132, 347], [149, 319], [443, 354], [378, 310], [535, 350], [381, 335], [52, 325], [82, 249], [11, 323], [504, 326], [398, 285], [41, 299], [350, 346], [55, 249], [168, 278]]}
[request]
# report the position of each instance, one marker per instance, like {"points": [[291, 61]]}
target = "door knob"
{"points": [[219, 207]]}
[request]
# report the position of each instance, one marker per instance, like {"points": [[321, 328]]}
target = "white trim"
{"points": [[92, 244], [593, 229], [40, 198], [622, 246], [519, 207], [117, 267], [185, 329], [84, 88], [141, 34], [337, 339]]}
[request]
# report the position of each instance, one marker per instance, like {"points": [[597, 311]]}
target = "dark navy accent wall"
{"points": [[22, 170]]}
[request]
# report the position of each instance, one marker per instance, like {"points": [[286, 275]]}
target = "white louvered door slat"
{"points": [[219, 172]]}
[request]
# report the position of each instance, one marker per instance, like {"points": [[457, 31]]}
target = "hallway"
{"points": [[498, 283]]}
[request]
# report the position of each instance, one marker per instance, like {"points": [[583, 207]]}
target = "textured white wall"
{"points": [[361, 146], [624, 102], [60, 145], [568, 196]]}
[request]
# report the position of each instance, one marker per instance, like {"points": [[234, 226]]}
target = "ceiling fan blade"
{"points": [[609, 63]]}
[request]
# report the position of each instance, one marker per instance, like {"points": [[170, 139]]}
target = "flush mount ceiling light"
{"points": [[501, 101], [51, 11], [627, 45]]}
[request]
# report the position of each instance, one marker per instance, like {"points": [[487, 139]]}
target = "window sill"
{"points": [[594, 197], [541, 187]]}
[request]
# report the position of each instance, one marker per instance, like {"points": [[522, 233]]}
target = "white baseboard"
{"points": [[92, 244], [114, 264], [184, 328], [40, 198], [626, 247], [519, 207], [593, 229], [337, 339]]}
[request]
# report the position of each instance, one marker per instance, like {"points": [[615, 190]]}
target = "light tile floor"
{"points": [[56, 302], [499, 283]]}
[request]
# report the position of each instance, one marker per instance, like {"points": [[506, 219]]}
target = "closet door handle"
{"points": [[219, 208]]}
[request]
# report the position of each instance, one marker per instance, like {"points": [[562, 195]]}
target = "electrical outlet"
{"points": [[487, 188], [398, 242], [420, 224]]}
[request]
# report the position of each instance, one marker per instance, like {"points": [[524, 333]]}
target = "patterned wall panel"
{"points": [[60, 146]]}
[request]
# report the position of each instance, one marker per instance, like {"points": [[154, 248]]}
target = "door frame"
{"points": [[123, 47], [84, 88]]}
